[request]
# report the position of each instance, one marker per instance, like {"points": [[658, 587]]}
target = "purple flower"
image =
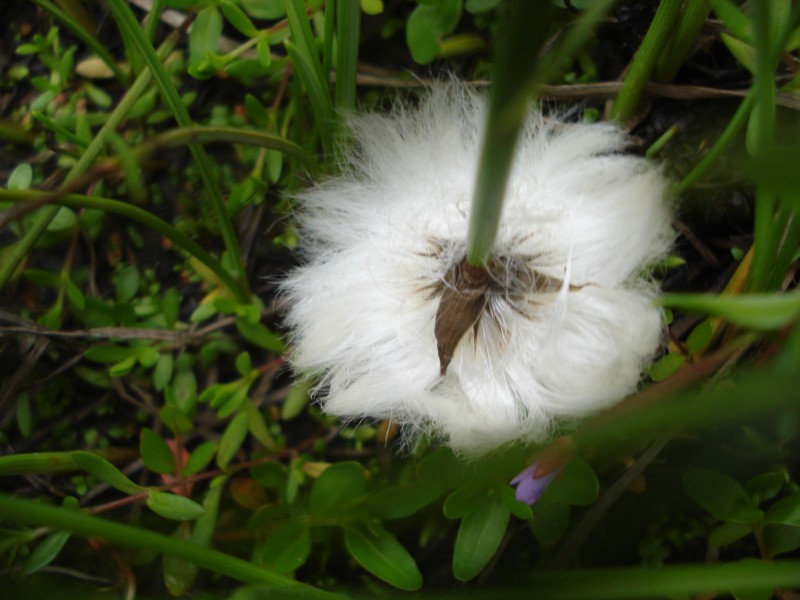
{"points": [[530, 488]]}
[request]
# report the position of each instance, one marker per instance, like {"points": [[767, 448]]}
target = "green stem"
{"points": [[24, 245], [762, 134], [348, 23], [137, 214], [681, 43], [522, 34], [43, 515], [731, 131], [627, 102], [127, 22]]}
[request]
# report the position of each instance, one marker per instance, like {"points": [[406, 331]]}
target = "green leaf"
{"points": [[379, 552], [172, 506], [24, 414], [258, 334], [20, 178], [477, 6], [74, 294], [372, 7], [721, 496], [466, 500], [127, 283], [199, 458], [163, 371], [758, 311], [232, 439], [170, 306], [727, 533], [296, 400], [156, 454], [742, 52], [174, 418], [733, 18], [106, 353], [665, 366], [287, 548], [576, 485], [400, 501], [781, 539], [478, 538], [700, 336], [550, 520], [785, 511], [205, 34], [765, 486], [47, 550], [244, 364], [238, 19], [427, 25], [147, 356], [105, 471], [336, 488]]}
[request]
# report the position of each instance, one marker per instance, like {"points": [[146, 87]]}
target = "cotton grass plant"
{"points": [[559, 322]]}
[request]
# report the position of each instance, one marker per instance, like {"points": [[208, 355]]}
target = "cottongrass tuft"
{"points": [[571, 318]]}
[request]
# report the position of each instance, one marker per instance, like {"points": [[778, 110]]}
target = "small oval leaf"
{"points": [[172, 506]]}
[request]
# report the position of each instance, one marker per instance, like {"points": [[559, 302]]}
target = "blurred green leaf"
{"points": [[765, 486], [287, 548], [727, 533], [205, 34], [163, 371], [700, 336], [238, 19], [466, 500], [46, 552], [427, 25], [296, 400], [21, 177], [399, 501], [721, 496], [550, 520], [199, 458], [379, 552], [127, 283], [478, 538], [336, 488], [156, 454], [174, 418], [105, 471], [576, 485], [232, 439], [174, 507], [785, 511], [759, 311], [666, 366], [258, 334]]}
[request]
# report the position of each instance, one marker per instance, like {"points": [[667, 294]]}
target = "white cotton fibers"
{"points": [[571, 319]]}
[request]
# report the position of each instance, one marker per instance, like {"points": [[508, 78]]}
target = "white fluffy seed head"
{"points": [[378, 240]]}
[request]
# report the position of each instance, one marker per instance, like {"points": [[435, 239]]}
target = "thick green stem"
{"points": [[42, 515], [683, 40], [627, 103]]}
